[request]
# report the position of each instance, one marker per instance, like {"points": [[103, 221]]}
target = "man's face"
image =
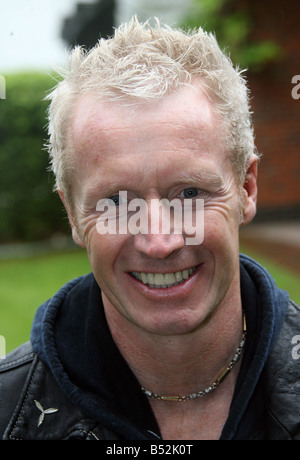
{"points": [[170, 149]]}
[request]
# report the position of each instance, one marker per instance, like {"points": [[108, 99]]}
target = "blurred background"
{"points": [[37, 254]]}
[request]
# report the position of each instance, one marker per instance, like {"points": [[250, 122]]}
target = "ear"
{"points": [[250, 190], [75, 234]]}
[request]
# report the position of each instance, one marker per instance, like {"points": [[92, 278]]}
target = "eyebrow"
{"points": [[207, 177], [109, 188]]}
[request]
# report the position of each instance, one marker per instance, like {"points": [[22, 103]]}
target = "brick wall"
{"points": [[276, 113]]}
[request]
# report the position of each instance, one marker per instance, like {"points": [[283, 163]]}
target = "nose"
{"points": [[158, 246], [161, 234]]}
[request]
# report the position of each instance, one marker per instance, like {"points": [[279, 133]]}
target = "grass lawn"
{"points": [[25, 284], [285, 279]]}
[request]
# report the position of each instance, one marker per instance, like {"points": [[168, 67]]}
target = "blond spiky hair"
{"points": [[140, 62]]}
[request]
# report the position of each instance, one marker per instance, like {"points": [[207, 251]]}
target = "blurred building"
{"points": [[276, 111], [89, 22], [95, 19]]}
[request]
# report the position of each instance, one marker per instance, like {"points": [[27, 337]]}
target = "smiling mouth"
{"points": [[164, 280]]}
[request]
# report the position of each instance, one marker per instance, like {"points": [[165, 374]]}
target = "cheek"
{"points": [[105, 254], [100, 251], [221, 231], [221, 240]]}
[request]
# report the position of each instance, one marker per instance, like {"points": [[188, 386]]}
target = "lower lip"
{"points": [[181, 289]]}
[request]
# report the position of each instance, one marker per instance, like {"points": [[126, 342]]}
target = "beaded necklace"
{"points": [[213, 386]]}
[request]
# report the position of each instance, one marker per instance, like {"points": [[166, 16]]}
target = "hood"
{"points": [[70, 334], [265, 306]]}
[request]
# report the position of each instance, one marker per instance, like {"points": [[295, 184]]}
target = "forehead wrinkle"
{"points": [[120, 140]]}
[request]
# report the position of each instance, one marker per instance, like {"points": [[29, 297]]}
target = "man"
{"points": [[174, 335]]}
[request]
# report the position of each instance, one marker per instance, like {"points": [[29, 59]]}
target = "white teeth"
{"points": [[159, 279], [178, 276], [143, 278], [163, 280], [185, 274], [170, 278]]}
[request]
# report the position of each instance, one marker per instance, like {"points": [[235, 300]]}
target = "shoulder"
{"points": [[31, 399], [33, 407], [13, 374], [17, 358], [284, 349], [282, 380]]}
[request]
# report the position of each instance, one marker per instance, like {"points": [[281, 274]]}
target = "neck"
{"points": [[181, 364]]}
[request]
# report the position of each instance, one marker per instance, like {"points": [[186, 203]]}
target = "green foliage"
{"points": [[232, 25], [29, 210]]}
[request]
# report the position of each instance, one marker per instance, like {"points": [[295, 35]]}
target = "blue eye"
{"points": [[191, 192], [119, 199], [115, 199]]}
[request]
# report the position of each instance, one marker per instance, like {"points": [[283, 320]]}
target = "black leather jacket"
{"points": [[32, 406]]}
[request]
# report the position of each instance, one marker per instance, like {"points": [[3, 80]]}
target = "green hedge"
{"points": [[29, 210]]}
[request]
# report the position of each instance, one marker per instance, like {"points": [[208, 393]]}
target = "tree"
{"points": [[29, 210], [232, 23]]}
